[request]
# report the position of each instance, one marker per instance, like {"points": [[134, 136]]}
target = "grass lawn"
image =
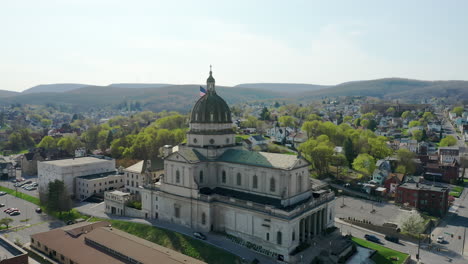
{"points": [[384, 254], [456, 191], [187, 245], [21, 195]]}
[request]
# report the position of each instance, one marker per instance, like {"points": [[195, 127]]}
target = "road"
{"points": [[426, 256]]}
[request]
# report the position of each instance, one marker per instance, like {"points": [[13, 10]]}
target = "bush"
{"points": [[134, 204]]}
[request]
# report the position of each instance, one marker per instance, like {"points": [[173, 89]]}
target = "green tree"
{"points": [[390, 111], [58, 198], [251, 121], [428, 116], [458, 110], [69, 144], [407, 114], [265, 114], [311, 128], [448, 141], [364, 163], [357, 122], [287, 121], [349, 150], [417, 134], [48, 143], [413, 224], [312, 117], [46, 122], [406, 161], [379, 148], [6, 221], [414, 123], [172, 122], [347, 119]]}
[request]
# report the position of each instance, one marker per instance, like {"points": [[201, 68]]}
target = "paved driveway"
{"points": [[361, 209], [28, 222]]}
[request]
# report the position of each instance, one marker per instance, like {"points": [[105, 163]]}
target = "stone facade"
{"points": [[67, 170], [213, 184], [88, 185]]}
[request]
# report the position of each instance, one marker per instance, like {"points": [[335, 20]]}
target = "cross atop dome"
{"points": [[210, 82]]}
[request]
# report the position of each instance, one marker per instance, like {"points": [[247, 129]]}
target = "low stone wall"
{"points": [[384, 230], [132, 212]]}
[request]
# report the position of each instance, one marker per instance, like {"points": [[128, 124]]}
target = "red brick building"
{"points": [[426, 198]]}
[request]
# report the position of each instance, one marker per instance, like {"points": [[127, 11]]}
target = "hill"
{"points": [[393, 88], [174, 97], [6, 93], [139, 85], [54, 88], [284, 87]]}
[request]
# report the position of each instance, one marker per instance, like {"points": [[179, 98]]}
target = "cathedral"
{"points": [[211, 183]]}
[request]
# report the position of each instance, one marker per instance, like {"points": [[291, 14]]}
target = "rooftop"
{"points": [[8, 249], [262, 159], [76, 161], [99, 175], [420, 186], [80, 243]]}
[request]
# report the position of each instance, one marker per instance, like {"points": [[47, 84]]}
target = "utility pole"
{"points": [[419, 245], [463, 247]]}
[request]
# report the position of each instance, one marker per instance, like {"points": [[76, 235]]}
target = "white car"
{"points": [[440, 239]]}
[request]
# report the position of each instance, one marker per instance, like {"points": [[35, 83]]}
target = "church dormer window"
{"points": [[211, 117], [177, 177], [239, 179], [255, 182], [201, 176], [223, 177], [272, 185]]}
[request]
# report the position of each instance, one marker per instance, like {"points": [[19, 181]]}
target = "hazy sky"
{"points": [[320, 42]]}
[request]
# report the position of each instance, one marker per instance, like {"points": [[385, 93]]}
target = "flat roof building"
{"points": [[11, 254], [100, 243], [67, 170]]}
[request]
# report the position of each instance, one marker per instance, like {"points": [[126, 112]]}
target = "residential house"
{"points": [[392, 182], [29, 162], [427, 198]]}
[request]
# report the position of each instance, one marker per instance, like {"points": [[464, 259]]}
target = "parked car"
{"points": [[38, 210], [440, 239], [2, 205], [199, 235], [15, 213], [34, 184], [28, 182], [9, 210], [372, 238], [2, 193], [393, 239]]}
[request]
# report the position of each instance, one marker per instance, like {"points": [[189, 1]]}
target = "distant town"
{"points": [[340, 179]]}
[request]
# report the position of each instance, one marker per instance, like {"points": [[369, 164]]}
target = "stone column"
{"points": [[301, 230], [310, 226], [319, 221], [306, 228], [324, 218], [315, 223]]}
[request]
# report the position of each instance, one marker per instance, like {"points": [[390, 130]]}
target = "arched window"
{"points": [[177, 176], [272, 185], [223, 177], [279, 237], [268, 236], [239, 179], [255, 182], [299, 183], [201, 177], [203, 218], [293, 235]]}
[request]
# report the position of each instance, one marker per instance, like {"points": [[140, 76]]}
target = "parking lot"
{"points": [[363, 210], [11, 185], [28, 222]]}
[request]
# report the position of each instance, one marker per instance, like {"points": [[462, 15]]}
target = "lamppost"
{"points": [[341, 193]]}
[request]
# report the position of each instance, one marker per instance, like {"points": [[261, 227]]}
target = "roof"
{"points": [[420, 186], [262, 159], [75, 242], [211, 108], [98, 175], [9, 249], [141, 166], [119, 193], [258, 138], [191, 155], [75, 161]]}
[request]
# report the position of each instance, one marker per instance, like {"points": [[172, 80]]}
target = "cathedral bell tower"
{"points": [[210, 82]]}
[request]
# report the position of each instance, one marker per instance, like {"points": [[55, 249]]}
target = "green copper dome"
{"points": [[211, 108]]}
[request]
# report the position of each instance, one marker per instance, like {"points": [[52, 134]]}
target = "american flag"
{"points": [[202, 91]]}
